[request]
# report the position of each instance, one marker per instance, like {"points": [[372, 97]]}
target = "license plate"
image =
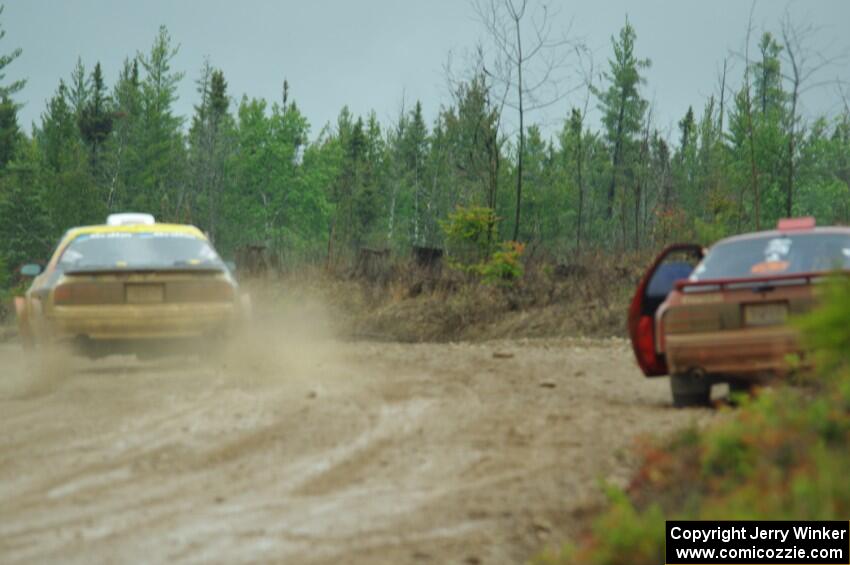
{"points": [[765, 314], [145, 293]]}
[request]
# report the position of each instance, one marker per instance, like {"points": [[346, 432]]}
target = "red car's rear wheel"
{"points": [[690, 390]]}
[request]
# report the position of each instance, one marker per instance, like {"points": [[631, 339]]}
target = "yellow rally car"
{"points": [[129, 284]]}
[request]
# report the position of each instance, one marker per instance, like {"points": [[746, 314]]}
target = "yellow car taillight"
{"points": [[63, 294], [87, 294], [200, 291]]}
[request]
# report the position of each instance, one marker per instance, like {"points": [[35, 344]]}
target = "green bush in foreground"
{"points": [[784, 455]]}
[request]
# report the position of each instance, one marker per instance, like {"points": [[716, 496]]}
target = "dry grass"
{"points": [[402, 302]]}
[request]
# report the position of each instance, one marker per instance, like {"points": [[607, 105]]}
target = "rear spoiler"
{"points": [[120, 271], [807, 278]]}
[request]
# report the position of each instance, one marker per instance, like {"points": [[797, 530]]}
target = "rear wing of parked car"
{"points": [[747, 282]]}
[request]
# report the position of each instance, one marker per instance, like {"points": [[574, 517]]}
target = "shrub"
{"points": [[470, 236], [827, 329], [504, 266]]}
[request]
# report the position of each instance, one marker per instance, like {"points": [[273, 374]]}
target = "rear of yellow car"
{"points": [[141, 305], [130, 286]]}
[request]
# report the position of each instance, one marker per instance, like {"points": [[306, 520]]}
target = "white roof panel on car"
{"points": [[130, 219]]}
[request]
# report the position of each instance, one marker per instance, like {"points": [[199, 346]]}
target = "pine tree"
{"points": [[369, 194], [26, 233], [412, 152], [622, 106], [161, 146], [573, 140], [95, 118], [80, 86], [768, 76], [472, 133], [124, 147], [209, 144], [7, 90], [10, 133], [58, 128], [71, 196]]}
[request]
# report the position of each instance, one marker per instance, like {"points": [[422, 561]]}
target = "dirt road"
{"points": [[316, 451]]}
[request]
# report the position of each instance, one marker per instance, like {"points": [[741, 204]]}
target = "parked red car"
{"points": [[720, 315]]}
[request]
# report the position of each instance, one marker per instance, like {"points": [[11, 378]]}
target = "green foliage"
{"points": [[9, 131], [504, 266], [95, 118], [707, 233], [467, 139], [827, 330], [631, 535], [623, 110], [470, 237], [10, 134], [25, 230], [211, 140], [637, 536], [5, 275], [7, 90], [621, 103], [160, 140]]}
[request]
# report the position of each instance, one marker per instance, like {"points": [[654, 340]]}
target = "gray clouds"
{"points": [[372, 54]]}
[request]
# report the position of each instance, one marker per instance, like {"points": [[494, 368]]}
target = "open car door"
{"points": [[676, 262]]}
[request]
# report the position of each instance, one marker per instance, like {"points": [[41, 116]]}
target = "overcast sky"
{"points": [[375, 54]]}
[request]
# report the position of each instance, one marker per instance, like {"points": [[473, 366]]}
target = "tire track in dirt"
{"points": [[320, 452]]}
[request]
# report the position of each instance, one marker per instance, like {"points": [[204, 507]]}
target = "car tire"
{"points": [[689, 390]]}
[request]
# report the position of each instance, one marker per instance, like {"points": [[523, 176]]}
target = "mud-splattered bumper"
{"points": [[750, 352], [141, 322]]}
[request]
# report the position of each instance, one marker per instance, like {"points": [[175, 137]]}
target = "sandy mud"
{"points": [[293, 447]]}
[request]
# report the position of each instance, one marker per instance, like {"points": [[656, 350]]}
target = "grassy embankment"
{"points": [[402, 302]]}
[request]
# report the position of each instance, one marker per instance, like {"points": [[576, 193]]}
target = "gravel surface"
{"points": [[300, 449]]}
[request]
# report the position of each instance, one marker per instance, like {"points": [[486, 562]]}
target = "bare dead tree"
{"points": [[397, 131], [496, 96], [722, 96], [579, 117], [640, 177], [489, 124], [845, 123], [530, 60], [845, 99], [805, 64], [754, 175]]}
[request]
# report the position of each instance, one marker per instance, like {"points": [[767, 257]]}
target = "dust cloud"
{"points": [[288, 340]]}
